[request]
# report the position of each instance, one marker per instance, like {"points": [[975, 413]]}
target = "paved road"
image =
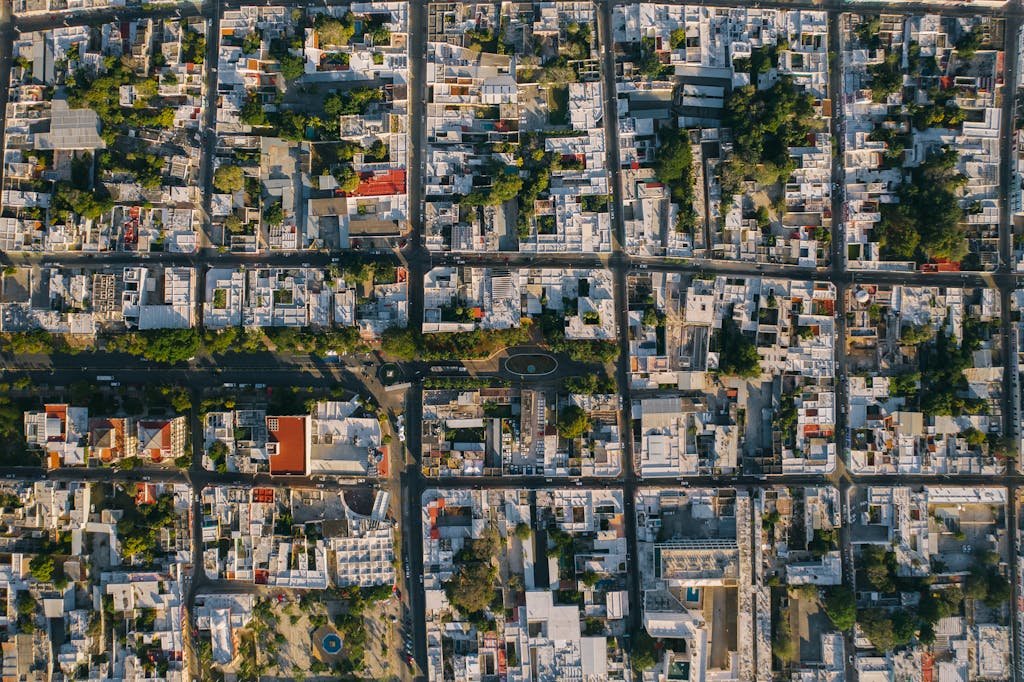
{"points": [[621, 293], [1011, 388]]}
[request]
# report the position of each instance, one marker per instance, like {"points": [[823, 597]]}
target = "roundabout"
{"points": [[390, 373], [531, 365]]}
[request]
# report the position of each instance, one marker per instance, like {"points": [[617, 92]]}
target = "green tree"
{"points": [[785, 647], [89, 205], [879, 566], [472, 588], [969, 43], [334, 31], [974, 437], [193, 47], [904, 385], [878, 627], [677, 39], [42, 567], [129, 463], [523, 531], [380, 35], [674, 168], [352, 102], [998, 590], [274, 215], [886, 77], [228, 179], [292, 67], [935, 605], [573, 422], [348, 179], [252, 112], [589, 384], [926, 222], [400, 343], [765, 123], [642, 654], [251, 43], [217, 452], [505, 186], [904, 627], [26, 605], [840, 606], [915, 335], [737, 354]]}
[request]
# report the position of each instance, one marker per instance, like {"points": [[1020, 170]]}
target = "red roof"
{"points": [[290, 436], [145, 493], [263, 495], [381, 184]]}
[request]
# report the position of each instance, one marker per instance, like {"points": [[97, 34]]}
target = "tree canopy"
{"points": [[472, 588], [674, 168], [573, 422], [337, 32], [764, 123], [159, 345], [351, 102], [505, 186], [926, 223], [737, 354], [228, 179], [348, 179], [887, 631], [42, 567], [840, 605]]}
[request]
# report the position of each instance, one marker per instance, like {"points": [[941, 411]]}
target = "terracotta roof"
{"points": [[382, 184], [290, 435], [145, 493]]}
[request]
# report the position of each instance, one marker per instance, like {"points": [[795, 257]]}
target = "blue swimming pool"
{"points": [[331, 643]]}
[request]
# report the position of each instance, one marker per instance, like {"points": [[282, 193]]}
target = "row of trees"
{"points": [[172, 346], [410, 344], [589, 384]]}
